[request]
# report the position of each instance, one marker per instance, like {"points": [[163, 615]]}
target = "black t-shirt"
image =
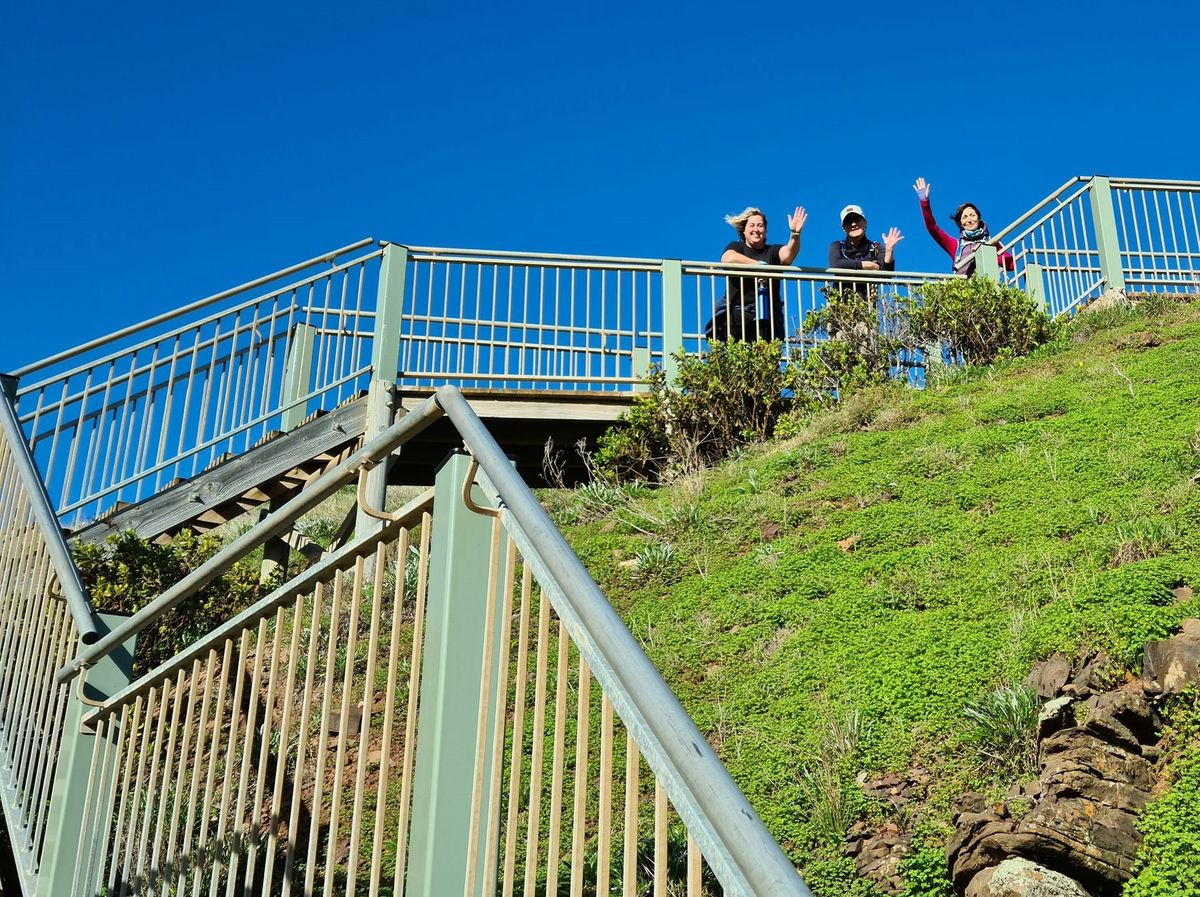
{"points": [[744, 290]]}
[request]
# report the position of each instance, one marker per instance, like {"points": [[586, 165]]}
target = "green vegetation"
{"points": [[979, 321], [124, 573], [740, 393], [909, 552], [1002, 725], [731, 396], [1167, 864]]}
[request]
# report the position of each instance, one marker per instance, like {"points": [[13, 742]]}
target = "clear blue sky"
{"points": [[157, 152]]}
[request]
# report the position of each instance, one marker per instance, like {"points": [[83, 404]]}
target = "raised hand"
{"points": [[922, 188], [891, 238], [796, 221]]}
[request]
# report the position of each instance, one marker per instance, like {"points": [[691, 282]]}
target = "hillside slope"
{"points": [[838, 598]]}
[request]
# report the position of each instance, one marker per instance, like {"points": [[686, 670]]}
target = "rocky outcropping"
{"points": [[1173, 664], [1096, 761], [1022, 878], [877, 854], [877, 851], [1073, 830]]}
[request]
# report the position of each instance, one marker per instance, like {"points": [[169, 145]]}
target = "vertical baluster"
{"points": [[130, 727], [191, 756], [556, 774], [242, 830], [518, 737], [253, 819], [630, 832], [579, 809], [275, 814], [302, 739], [537, 748], [410, 721], [155, 873], [661, 858]]}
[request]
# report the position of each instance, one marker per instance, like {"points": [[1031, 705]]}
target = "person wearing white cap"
{"points": [[857, 252]]}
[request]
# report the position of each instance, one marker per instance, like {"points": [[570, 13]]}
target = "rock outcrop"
{"points": [[1022, 878], [1073, 830]]}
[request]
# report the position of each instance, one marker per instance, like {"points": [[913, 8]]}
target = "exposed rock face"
{"points": [[877, 855], [1174, 663], [1095, 776], [1049, 676], [1022, 878]]}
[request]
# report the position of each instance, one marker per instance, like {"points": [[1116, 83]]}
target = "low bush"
{"points": [[857, 342], [731, 396], [978, 321], [125, 572], [1003, 723]]}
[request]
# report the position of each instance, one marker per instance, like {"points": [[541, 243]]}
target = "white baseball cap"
{"points": [[850, 210]]}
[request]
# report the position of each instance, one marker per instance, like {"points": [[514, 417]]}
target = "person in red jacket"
{"points": [[972, 232]]}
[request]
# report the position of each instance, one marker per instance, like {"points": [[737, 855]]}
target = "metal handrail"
{"points": [[729, 834], [73, 591], [704, 794], [191, 306], [1033, 210], [275, 524]]}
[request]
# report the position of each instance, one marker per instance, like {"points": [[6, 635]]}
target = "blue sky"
{"points": [[157, 152]]}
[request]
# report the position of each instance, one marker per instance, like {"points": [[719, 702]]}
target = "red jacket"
{"points": [[949, 243]]}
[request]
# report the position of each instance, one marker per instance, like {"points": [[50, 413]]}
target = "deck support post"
{"points": [[462, 583], [385, 369], [67, 827], [672, 316]]}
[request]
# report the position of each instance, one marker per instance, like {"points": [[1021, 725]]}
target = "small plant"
{"points": [[978, 321], [1143, 540], [925, 874], [655, 558], [834, 799], [1003, 723]]}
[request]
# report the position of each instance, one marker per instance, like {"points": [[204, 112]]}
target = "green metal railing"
{"points": [[446, 705], [1098, 233], [45, 615], [121, 417]]}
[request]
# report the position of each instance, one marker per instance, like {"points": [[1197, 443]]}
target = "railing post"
{"points": [[452, 691], [297, 376], [1035, 285], [672, 315], [1105, 222], [987, 262], [66, 826], [385, 369]]}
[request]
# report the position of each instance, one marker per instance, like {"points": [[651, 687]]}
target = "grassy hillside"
{"points": [[837, 598]]}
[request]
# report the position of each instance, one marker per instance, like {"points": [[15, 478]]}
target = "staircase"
{"points": [[442, 703]]}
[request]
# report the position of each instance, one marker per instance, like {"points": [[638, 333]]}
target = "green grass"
{"points": [[930, 547]]}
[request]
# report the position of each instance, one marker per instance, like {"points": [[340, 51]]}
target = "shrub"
{"points": [[856, 342], [124, 573], [925, 873], [978, 321], [720, 401]]}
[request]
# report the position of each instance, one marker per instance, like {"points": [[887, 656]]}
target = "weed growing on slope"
{"points": [[1002, 725]]}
